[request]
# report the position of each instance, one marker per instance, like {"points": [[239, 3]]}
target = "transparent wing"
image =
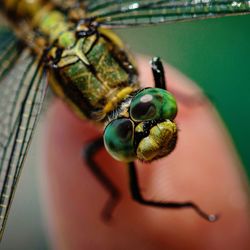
{"points": [[10, 49], [144, 12], [21, 96]]}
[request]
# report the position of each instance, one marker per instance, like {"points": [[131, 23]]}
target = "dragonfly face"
{"points": [[96, 72], [148, 133]]}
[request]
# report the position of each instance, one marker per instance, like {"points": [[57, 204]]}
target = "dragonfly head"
{"points": [[149, 132]]}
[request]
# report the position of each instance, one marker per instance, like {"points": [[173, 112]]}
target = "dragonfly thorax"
{"points": [[93, 75]]}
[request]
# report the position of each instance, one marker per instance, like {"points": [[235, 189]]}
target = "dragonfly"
{"points": [[70, 46]]}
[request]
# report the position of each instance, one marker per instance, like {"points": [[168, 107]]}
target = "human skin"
{"points": [[204, 168]]}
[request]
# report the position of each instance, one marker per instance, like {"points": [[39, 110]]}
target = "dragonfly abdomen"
{"points": [[23, 7]]}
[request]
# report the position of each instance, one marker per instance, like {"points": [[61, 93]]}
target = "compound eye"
{"points": [[119, 139], [153, 103]]}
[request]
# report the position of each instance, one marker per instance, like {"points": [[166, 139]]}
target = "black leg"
{"points": [[89, 153], [136, 195], [158, 73], [160, 82]]}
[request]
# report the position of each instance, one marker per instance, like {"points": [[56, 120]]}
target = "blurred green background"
{"points": [[214, 53]]}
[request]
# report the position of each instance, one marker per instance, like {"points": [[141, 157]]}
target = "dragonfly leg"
{"points": [[158, 73], [89, 153], [137, 196], [160, 82]]}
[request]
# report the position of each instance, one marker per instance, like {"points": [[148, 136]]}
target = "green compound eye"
{"points": [[153, 103], [119, 139]]}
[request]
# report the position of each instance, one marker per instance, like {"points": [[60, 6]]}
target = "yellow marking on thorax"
{"points": [[73, 55], [113, 37], [121, 95]]}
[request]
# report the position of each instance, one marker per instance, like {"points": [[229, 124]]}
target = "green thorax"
{"points": [[94, 75], [91, 72]]}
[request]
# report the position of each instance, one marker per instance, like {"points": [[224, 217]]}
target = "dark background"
{"points": [[214, 53]]}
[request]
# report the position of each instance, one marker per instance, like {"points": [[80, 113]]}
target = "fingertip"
{"points": [[201, 168]]}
